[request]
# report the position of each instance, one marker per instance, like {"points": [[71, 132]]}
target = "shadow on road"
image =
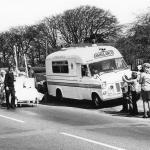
{"points": [[85, 104], [125, 114], [108, 107]]}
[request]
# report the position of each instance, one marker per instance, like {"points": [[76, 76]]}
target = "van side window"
{"points": [[84, 70], [60, 67]]}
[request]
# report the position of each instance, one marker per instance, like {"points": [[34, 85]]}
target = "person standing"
{"points": [[2, 77], [145, 89], [31, 73], [126, 92], [135, 91], [9, 87]]}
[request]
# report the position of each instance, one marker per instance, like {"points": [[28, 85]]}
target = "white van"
{"points": [[91, 73]]}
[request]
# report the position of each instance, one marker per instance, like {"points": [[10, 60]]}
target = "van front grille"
{"points": [[118, 87], [121, 83]]}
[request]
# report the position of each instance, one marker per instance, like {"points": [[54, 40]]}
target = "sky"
{"points": [[15, 13]]}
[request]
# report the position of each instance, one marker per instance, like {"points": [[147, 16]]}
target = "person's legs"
{"points": [[2, 95], [134, 102], [12, 92], [7, 98], [148, 103], [144, 98], [148, 108], [145, 111], [124, 103]]}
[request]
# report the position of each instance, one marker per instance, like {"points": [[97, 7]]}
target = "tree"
{"points": [[49, 31], [4, 47], [24, 38], [76, 25], [127, 48], [136, 43], [7, 46]]}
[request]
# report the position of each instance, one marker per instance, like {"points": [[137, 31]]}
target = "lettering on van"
{"points": [[103, 54]]}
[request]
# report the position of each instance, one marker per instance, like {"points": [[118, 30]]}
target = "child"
{"points": [[126, 97]]}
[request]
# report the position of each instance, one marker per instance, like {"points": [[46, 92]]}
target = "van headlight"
{"points": [[104, 92], [111, 89], [103, 85]]}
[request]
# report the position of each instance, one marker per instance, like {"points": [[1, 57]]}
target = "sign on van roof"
{"points": [[103, 53]]}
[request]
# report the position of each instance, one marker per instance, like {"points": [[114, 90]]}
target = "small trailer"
{"points": [[26, 93], [25, 90]]}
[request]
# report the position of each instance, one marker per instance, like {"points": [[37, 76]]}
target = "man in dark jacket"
{"points": [[9, 87]]}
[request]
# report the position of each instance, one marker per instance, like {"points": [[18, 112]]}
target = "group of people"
{"points": [[135, 87], [7, 87]]}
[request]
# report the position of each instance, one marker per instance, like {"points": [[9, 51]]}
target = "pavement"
{"points": [[116, 110]]}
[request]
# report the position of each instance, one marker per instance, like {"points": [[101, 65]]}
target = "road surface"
{"points": [[71, 126]]}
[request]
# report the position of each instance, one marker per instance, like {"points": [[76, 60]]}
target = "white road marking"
{"points": [[92, 141], [17, 120]]}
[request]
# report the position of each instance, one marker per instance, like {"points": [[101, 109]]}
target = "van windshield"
{"points": [[107, 66]]}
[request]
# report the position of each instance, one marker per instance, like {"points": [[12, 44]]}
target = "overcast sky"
{"points": [[26, 12]]}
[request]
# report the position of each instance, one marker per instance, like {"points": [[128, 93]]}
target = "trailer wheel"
{"points": [[18, 105], [96, 100], [59, 95]]}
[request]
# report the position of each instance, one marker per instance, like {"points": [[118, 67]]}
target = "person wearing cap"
{"points": [[9, 87], [145, 89]]}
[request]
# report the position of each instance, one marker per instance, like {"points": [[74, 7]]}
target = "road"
{"points": [[71, 126]]}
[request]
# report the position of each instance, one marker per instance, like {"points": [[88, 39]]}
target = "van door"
{"points": [[84, 90]]}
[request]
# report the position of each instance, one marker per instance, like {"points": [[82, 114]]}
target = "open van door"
{"points": [[85, 91]]}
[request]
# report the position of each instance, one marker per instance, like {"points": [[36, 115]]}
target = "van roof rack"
{"points": [[90, 45]]}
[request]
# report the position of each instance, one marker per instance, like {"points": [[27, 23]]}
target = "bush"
{"points": [[40, 77], [36, 69]]}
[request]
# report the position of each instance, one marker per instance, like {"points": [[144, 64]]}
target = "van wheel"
{"points": [[59, 95], [96, 100]]}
